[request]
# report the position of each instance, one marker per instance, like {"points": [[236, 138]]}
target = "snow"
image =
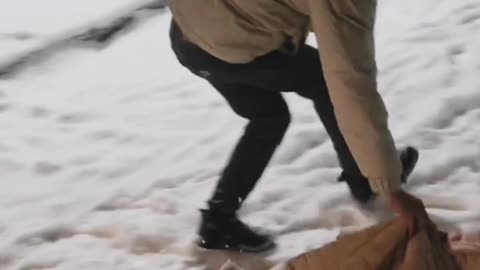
{"points": [[107, 155]]}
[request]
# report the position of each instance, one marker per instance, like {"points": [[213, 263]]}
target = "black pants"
{"points": [[253, 92]]}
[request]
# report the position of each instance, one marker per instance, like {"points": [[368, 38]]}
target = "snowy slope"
{"points": [[106, 155]]}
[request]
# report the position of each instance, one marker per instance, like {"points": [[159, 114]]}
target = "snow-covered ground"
{"points": [[106, 155]]}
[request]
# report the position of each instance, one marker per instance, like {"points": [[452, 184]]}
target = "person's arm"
{"points": [[344, 32]]}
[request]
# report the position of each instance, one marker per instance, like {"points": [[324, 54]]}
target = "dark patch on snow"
{"points": [[38, 112], [4, 107], [49, 234], [104, 34], [46, 168]]}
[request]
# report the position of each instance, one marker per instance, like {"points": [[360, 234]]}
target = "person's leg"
{"points": [[314, 87], [268, 117], [357, 183], [266, 110]]}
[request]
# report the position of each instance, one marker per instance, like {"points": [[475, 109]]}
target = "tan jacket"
{"points": [[237, 31], [384, 247]]}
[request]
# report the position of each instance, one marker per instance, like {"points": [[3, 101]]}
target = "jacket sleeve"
{"points": [[344, 32]]}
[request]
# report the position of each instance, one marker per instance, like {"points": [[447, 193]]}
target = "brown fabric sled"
{"points": [[386, 247], [382, 247]]}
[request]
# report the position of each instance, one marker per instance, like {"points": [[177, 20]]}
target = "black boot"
{"points": [[359, 186], [221, 231]]}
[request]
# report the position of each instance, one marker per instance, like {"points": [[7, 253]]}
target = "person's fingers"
{"points": [[410, 222], [413, 227], [410, 230]]}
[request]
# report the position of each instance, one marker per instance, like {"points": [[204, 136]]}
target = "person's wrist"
{"points": [[392, 194], [393, 198]]}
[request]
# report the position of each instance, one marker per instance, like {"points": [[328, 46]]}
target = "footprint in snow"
{"points": [[74, 117], [102, 135], [38, 112], [4, 107], [46, 168]]}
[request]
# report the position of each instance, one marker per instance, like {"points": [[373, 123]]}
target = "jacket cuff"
{"points": [[382, 185]]}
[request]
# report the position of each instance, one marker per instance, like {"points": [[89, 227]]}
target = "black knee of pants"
{"points": [[268, 129], [247, 163]]}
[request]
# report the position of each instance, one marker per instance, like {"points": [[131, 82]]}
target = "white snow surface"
{"points": [[26, 25], [107, 155]]}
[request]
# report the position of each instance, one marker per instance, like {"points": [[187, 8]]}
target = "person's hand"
{"points": [[410, 209]]}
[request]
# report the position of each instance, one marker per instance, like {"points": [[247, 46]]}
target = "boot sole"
{"points": [[239, 248]]}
